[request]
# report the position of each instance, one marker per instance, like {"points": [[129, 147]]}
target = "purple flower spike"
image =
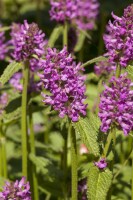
{"points": [[86, 14], [104, 68], [119, 38], [17, 190], [27, 41], [62, 10], [3, 45], [101, 164], [63, 79], [116, 105]]}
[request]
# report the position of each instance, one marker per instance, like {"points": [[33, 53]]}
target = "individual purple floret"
{"points": [[3, 102], [101, 164], [63, 78], [104, 68], [116, 105], [82, 189], [62, 10], [119, 38], [27, 41], [16, 82], [3, 45], [18, 190], [86, 13]]}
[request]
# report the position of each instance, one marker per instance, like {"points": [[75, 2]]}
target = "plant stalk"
{"points": [[65, 34], [24, 119], [3, 152], [73, 163], [32, 150]]}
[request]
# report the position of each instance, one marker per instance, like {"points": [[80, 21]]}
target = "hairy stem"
{"points": [[65, 34], [118, 71], [3, 160], [24, 119], [73, 163], [32, 150]]}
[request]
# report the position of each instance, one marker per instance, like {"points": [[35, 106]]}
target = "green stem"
{"points": [[65, 166], [65, 34], [32, 149], [107, 145], [73, 163], [24, 119], [1, 163], [3, 152], [4, 161], [132, 175], [118, 71]]}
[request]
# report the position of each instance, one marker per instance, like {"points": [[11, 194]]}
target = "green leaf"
{"points": [[98, 59], [98, 183], [88, 133], [41, 163], [81, 39], [55, 35], [9, 71], [6, 28], [129, 69]]}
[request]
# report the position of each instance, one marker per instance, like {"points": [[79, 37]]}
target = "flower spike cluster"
{"points": [[28, 40], [86, 14], [17, 190], [63, 79], [82, 13], [3, 45], [62, 10], [119, 38], [116, 105]]}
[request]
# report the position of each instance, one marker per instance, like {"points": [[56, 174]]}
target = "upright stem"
{"points": [[4, 161], [73, 163], [107, 145], [32, 149], [1, 165], [132, 175], [65, 34], [65, 165], [132, 166], [24, 119], [118, 71], [3, 152]]}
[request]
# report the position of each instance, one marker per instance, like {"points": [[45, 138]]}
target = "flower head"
{"points": [[27, 41], [86, 13], [101, 164], [104, 68], [62, 10], [16, 190], [119, 38], [63, 79], [116, 105], [3, 45]]}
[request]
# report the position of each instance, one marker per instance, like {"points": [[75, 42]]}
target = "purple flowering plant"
{"points": [[56, 67]]}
